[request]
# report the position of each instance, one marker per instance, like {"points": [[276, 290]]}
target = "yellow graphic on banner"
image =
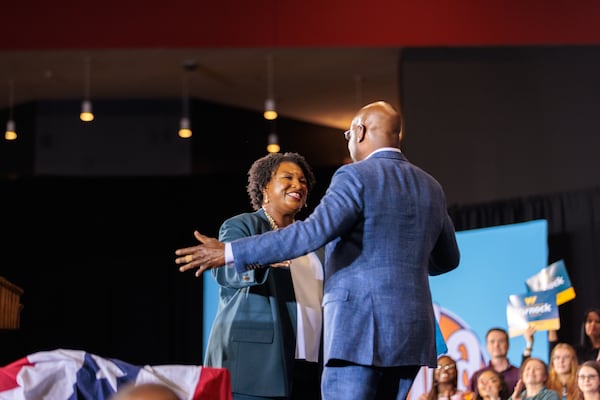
{"points": [[530, 300], [565, 295]]}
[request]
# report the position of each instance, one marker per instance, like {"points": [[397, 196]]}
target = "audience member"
{"points": [[496, 341], [588, 381], [145, 391], [562, 375], [267, 331], [589, 346], [444, 382], [532, 382], [491, 386]]}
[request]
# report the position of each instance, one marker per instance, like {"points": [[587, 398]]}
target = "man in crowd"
{"points": [[496, 341]]}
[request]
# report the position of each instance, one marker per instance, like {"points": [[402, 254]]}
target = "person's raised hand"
{"points": [[529, 335], [517, 393], [210, 253]]}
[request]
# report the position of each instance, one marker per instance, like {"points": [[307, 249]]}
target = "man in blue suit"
{"points": [[386, 228]]}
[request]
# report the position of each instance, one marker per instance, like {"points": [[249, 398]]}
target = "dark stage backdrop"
{"points": [[505, 122], [95, 257], [573, 235]]}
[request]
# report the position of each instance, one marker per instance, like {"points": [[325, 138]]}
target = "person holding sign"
{"points": [[589, 348]]}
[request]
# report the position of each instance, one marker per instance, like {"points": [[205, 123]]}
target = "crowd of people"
{"points": [[572, 373]]}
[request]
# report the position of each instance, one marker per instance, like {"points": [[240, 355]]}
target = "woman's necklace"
{"points": [[274, 225]]}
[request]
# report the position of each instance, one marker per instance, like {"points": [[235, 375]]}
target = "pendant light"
{"points": [[86, 114], [273, 143], [185, 127], [270, 111], [11, 133]]}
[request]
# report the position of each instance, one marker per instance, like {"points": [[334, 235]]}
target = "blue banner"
{"points": [[538, 310], [555, 278]]}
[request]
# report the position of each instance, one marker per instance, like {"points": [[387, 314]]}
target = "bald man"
{"points": [[146, 391], [386, 229]]}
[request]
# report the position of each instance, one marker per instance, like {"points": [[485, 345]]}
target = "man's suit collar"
{"points": [[387, 152]]}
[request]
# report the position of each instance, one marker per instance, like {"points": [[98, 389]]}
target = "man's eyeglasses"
{"points": [[349, 131], [445, 367]]}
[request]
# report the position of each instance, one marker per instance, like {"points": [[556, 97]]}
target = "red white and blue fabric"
{"points": [[76, 375]]}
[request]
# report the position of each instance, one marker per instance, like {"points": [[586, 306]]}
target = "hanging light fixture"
{"points": [[185, 130], [86, 105], [273, 143], [270, 112], [11, 133], [185, 127]]}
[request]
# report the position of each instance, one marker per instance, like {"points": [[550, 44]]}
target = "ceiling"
{"points": [[320, 49], [320, 85]]}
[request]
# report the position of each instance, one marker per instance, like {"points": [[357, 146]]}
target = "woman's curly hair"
{"points": [[262, 170]]}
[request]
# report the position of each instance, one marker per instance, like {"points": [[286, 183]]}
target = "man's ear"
{"points": [[361, 132]]}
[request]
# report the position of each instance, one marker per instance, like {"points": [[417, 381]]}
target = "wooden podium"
{"points": [[10, 304]]}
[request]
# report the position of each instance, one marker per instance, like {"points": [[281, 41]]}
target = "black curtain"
{"points": [[95, 258], [573, 235]]}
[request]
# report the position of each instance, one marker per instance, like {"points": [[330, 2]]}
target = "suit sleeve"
{"points": [[227, 276], [445, 255]]}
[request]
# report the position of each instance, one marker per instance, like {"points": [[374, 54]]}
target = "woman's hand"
{"points": [[517, 394], [283, 264]]}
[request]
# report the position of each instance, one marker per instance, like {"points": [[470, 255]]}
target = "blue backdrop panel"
{"points": [[495, 263]]}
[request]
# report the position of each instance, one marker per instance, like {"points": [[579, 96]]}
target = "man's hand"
{"points": [[210, 253]]}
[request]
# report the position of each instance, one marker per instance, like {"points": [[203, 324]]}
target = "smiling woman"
{"points": [[532, 382], [267, 331], [491, 386], [444, 382], [588, 380]]}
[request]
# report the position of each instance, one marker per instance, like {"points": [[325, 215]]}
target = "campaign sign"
{"points": [[538, 310], [555, 278]]}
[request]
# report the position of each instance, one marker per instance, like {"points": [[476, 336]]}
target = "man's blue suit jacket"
{"points": [[386, 227]]}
